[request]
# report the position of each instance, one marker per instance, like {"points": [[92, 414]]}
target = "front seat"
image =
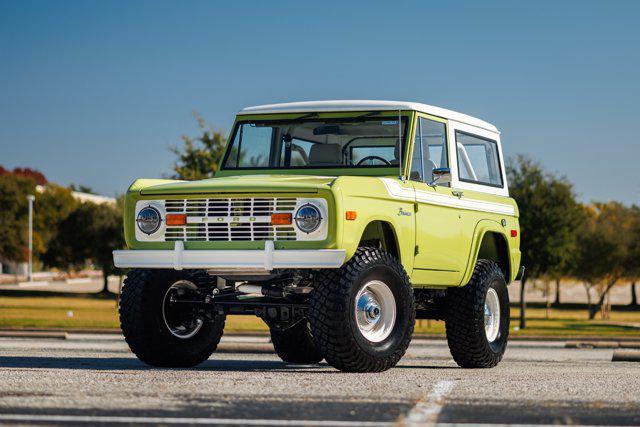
{"points": [[325, 155], [396, 154]]}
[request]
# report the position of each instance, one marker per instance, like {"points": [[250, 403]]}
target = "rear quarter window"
{"points": [[478, 160]]}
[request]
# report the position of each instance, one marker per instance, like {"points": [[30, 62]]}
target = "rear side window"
{"points": [[478, 160]]}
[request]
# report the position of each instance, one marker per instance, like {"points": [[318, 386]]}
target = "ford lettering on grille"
{"points": [[211, 220]]}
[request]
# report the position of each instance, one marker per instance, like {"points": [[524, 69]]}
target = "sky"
{"points": [[95, 93]]}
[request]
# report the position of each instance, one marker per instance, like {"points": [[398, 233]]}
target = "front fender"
{"points": [[370, 199]]}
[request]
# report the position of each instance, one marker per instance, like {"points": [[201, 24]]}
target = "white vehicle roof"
{"points": [[363, 105]]}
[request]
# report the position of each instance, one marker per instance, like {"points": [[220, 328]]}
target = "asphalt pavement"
{"points": [[93, 379]]}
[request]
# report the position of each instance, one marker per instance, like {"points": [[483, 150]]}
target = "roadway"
{"points": [[90, 379]]}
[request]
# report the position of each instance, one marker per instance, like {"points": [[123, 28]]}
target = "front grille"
{"points": [[230, 220]]}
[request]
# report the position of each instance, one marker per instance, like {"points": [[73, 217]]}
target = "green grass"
{"points": [[81, 311], [44, 310], [570, 321]]}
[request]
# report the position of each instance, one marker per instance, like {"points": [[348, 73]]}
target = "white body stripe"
{"points": [[398, 191]]}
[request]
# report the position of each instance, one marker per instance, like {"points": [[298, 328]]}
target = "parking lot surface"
{"points": [[94, 379]]}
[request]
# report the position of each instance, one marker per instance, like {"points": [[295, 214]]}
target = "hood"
{"points": [[241, 184]]}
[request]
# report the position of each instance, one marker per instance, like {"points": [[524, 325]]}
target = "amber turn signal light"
{"points": [[281, 219], [176, 219], [351, 215]]}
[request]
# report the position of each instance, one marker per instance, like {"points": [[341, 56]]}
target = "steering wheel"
{"points": [[373, 158]]}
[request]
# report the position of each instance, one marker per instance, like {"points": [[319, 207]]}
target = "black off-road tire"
{"points": [[332, 314], [466, 335], [143, 326], [296, 345]]}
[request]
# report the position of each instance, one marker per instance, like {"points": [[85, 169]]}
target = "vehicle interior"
{"points": [[371, 142]]}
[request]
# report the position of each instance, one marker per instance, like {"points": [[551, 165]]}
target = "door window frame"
{"points": [[417, 128]]}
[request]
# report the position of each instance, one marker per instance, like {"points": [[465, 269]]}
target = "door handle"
{"points": [[458, 194]]}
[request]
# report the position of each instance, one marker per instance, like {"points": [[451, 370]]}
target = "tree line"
{"points": [[597, 244], [67, 234]]}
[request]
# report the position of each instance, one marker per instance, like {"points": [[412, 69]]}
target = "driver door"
{"points": [[439, 258]]}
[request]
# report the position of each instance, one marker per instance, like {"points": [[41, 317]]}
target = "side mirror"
{"points": [[440, 176]]}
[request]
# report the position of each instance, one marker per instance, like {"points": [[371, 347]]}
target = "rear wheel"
{"points": [[362, 315], [161, 331], [477, 320], [295, 344]]}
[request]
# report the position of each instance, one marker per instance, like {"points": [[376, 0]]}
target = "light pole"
{"points": [[31, 198]]}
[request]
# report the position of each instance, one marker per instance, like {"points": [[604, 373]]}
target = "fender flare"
{"points": [[483, 227], [406, 257]]}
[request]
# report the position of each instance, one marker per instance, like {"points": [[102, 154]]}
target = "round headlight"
{"points": [[148, 220], [308, 218]]}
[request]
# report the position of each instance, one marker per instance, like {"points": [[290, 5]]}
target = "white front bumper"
{"points": [[250, 260]]}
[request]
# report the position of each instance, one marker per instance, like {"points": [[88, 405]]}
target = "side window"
{"points": [[478, 160], [251, 147], [416, 173], [434, 145]]}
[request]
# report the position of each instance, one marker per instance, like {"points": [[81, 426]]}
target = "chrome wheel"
{"points": [[179, 319], [491, 315], [375, 311]]}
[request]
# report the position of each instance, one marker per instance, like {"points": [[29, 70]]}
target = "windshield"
{"points": [[364, 142]]}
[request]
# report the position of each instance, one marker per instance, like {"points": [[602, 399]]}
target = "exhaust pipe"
{"points": [[260, 290]]}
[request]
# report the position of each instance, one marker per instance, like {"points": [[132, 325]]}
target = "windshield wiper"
{"points": [[369, 114], [305, 116]]}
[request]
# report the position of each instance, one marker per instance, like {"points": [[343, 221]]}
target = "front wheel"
{"points": [[362, 315], [477, 320], [160, 330]]}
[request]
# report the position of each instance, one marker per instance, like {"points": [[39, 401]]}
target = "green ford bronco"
{"points": [[338, 223]]}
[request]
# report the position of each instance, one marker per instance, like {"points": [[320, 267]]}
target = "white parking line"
{"points": [[426, 411], [177, 420]]}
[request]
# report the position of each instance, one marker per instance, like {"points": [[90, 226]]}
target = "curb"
{"points": [[602, 344], [60, 330], [592, 344], [34, 334], [626, 356]]}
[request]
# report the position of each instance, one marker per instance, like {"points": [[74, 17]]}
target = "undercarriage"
{"points": [[281, 300]]}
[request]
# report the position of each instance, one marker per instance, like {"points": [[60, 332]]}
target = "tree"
{"points": [[603, 249], [13, 216], [632, 264], [34, 174], [198, 158], [88, 235], [52, 205], [549, 215]]}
